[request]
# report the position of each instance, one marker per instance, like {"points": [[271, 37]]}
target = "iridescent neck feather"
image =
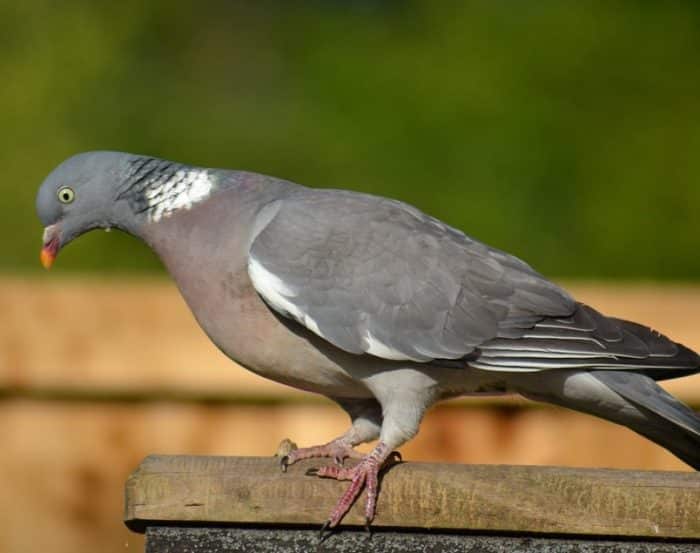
{"points": [[158, 188]]}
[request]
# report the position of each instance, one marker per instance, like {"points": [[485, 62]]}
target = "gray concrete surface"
{"points": [[163, 539]]}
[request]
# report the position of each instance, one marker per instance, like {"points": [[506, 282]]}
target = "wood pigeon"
{"points": [[370, 302]]}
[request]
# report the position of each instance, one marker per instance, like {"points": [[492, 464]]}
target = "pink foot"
{"points": [[364, 474], [337, 449]]}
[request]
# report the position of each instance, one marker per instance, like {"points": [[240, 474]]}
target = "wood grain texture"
{"points": [[496, 498]]}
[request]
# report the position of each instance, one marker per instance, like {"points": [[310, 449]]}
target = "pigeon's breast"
{"points": [[243, 327], [205, 249]]}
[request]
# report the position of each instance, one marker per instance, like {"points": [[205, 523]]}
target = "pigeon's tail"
{"points": [[624, 397], [669, 422], [605, 367]]}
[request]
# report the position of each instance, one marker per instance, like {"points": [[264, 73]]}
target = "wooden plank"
{"points": [[494, 498], [64, 465]]}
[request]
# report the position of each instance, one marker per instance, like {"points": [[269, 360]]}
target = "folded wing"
{"points": [[377, 276]]}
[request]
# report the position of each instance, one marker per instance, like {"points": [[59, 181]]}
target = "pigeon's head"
{"points": [[79, 195]]}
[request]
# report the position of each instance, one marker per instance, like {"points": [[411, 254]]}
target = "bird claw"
{"points": [[365, 474], [393, 459], [284, 463], [338, 450], [325, 531]]}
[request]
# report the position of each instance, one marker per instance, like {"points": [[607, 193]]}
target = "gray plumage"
{"points": [[370, 301], [358, 266]]}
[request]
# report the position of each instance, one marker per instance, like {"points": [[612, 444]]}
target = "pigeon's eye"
{"points": [[66, 195]]}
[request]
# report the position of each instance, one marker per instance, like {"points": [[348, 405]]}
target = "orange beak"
{"points": [[47, 257], [51, 246]]}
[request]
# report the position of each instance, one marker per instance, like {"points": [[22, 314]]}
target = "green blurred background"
{"points": [[565, 132]]}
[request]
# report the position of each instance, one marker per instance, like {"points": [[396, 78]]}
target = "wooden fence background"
{"points": [[97, 374]]}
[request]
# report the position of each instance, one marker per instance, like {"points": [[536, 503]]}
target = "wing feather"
{"points": [[377, 276], [588, 340]]}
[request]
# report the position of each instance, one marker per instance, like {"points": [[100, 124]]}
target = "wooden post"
{"points": [[209, 500]]}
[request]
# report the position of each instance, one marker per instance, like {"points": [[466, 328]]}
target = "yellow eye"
{"points": [[65, 195]]}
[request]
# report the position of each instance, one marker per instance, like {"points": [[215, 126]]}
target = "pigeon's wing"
{"points": [[372, 275], [588, 340]]}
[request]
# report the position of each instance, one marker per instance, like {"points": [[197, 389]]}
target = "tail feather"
{"points": [[631, 399], [645, 393], [671, 423], [605, 367]]}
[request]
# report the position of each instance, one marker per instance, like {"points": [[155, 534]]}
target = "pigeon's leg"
{"points": [[402, 411], [366, 418]]}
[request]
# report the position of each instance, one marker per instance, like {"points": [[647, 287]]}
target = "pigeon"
{"points": [[370, 302]]}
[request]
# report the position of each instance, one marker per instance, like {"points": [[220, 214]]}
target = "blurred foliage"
{"points": [[567, 133]]}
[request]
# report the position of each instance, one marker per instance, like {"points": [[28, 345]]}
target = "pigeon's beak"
{"points": [[51, 246]]}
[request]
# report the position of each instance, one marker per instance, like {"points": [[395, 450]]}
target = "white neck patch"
{"points": [[184, 189]]}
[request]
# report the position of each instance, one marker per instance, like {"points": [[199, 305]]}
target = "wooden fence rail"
{"points": [[215, 499]]}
